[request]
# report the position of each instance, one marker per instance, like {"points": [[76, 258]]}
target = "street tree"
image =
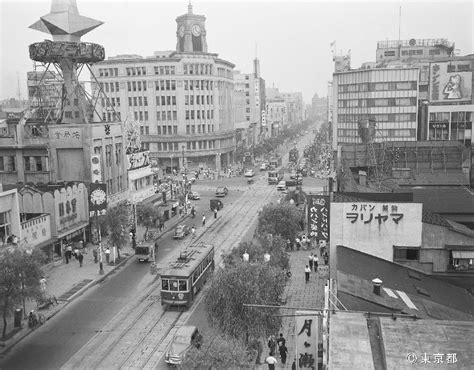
{"points": [[115, 222], [280, 219], [256, 249], [20, 273], [147, 215], [219, 352], [245, 283]]}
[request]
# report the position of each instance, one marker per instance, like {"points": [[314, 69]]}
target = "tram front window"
{"points": [[141, 250], [174, 285], [182, 285], [165, 284]]}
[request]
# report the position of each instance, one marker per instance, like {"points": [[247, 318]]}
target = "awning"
{"points": [[463, 255], [140, 173], [65, 232]]}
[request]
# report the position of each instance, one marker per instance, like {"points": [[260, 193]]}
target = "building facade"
{"points": [[10, 225], [183, 99], [277, 115], [385, 97]]}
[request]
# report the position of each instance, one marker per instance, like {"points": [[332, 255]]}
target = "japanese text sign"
{"points": [[307, 334], [318, 216]]}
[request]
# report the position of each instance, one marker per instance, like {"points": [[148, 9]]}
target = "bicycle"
{"points": [[35, 319]]}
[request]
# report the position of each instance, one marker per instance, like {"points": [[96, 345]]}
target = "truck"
{"points": [[145, 252]]}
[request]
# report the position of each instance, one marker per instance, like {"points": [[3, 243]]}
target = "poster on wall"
{"points": [[97, 197], [449, 82], [318, 217], [307, 334]]}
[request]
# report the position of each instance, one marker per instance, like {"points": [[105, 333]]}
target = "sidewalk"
{"points": [[69, 281], [302, 295]]}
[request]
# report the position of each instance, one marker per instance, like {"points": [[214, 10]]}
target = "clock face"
{"points": [[196, 30], [181, 31], [98, 196]]}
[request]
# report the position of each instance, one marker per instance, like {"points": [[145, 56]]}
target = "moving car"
{"points": [[186, 337], [249, 173], [194, 195], [181, 231], [293, 175], [281, 185], [263, 166], [221, 191]]}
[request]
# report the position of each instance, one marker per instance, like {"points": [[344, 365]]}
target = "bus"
{"points": [[275, 176], [185, 276], [145, 252]]}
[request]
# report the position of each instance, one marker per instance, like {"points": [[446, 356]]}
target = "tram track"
{"points": [[138, 336]]}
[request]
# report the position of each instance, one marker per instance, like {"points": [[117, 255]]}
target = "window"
{"points": [[389, 53], [61, 209], [146, 115], [173, 100], [175, 130], [406, 254], [158, 130], [164, 130], [187, 130], [7, 164]]}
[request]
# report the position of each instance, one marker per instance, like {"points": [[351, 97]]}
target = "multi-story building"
{"points": [[252, 86], [277, 117], [183, 99], [386, 98]]}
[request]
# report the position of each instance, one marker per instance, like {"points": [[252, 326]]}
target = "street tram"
{"points": [[185, 276]]}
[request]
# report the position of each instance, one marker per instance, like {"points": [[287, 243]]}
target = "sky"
{"points": [[291, 38]]}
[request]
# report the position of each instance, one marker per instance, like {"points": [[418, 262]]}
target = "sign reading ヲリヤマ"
{"points": [[376, 227]]}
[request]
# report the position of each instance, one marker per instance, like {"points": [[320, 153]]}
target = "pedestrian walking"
{"points": [[76, 253], [193, 232], [310, 261], [326, 258], [307, 270], [271, 361], [107, 254], [288, 245], [215, 212], [293, 365], [281, 341], [272, 345], [203, 220], [68, 253], [283, 353], [315, 262], [298, 243], [80, 258], [43, 285]]}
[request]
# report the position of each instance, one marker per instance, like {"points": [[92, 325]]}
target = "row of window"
{"points": [[165, 85], [200, 129], [384, 125], [141, 116], [109, 117], [174, 285], [401, 133], [166, 100], [167, 130], [199, 99], [36, 163], [190, 145], [455, 116], [108, 72], [136, 71], [455, 131], [378, 86], [110, 86], [381, 102], [202, 268], [393, 117], [136, 85], [167, 116], [199, 114], [224, 72], [197, 69], [115, 102], [138, 101], [165, 70], [198, 85], [7, 164]]}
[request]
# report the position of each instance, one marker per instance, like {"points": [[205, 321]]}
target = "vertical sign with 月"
{"points": [[307, 334]]}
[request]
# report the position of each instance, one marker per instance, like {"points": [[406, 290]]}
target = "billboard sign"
{"points": [[97, 197], [375, 227], [307, 335], [318, 216], [449, 84]]}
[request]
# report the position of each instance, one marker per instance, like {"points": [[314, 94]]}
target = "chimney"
{"points": [[377, 284]]}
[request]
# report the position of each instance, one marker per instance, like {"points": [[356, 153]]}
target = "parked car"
{"points": [[293, 175], [185, 338], [194, 195], [181, 231], [221, 191], [249, 173], [263, 166], [282, 186]]}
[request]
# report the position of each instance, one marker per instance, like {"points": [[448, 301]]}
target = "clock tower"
{"points": [[191, 33]]}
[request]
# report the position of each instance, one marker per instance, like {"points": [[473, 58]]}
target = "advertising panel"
{"points": [[449, 83], [318, 216], [307, 334], [97, 197], [137, 160], [374, 228]]}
